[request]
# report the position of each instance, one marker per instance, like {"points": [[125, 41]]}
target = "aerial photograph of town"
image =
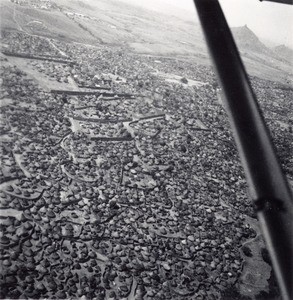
{"points": [[120, 177]]}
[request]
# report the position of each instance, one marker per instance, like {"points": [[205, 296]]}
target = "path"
{"points": [[17, 158]]}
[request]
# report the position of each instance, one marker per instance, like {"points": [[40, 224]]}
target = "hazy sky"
{"points": [[270, 21]]}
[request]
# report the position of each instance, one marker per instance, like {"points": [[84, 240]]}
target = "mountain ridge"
{"points": [[247, 39]]}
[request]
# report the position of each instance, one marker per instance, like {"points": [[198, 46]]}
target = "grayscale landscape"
{"points": [[120, 178]]}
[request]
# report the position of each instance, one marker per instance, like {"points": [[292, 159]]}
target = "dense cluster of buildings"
{"points": [[109, 197]]}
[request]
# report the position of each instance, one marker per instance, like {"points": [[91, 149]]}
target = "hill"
{"points": [[284, 52], [51, 23], [259, 59], [121, 23], [248, 41]]}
